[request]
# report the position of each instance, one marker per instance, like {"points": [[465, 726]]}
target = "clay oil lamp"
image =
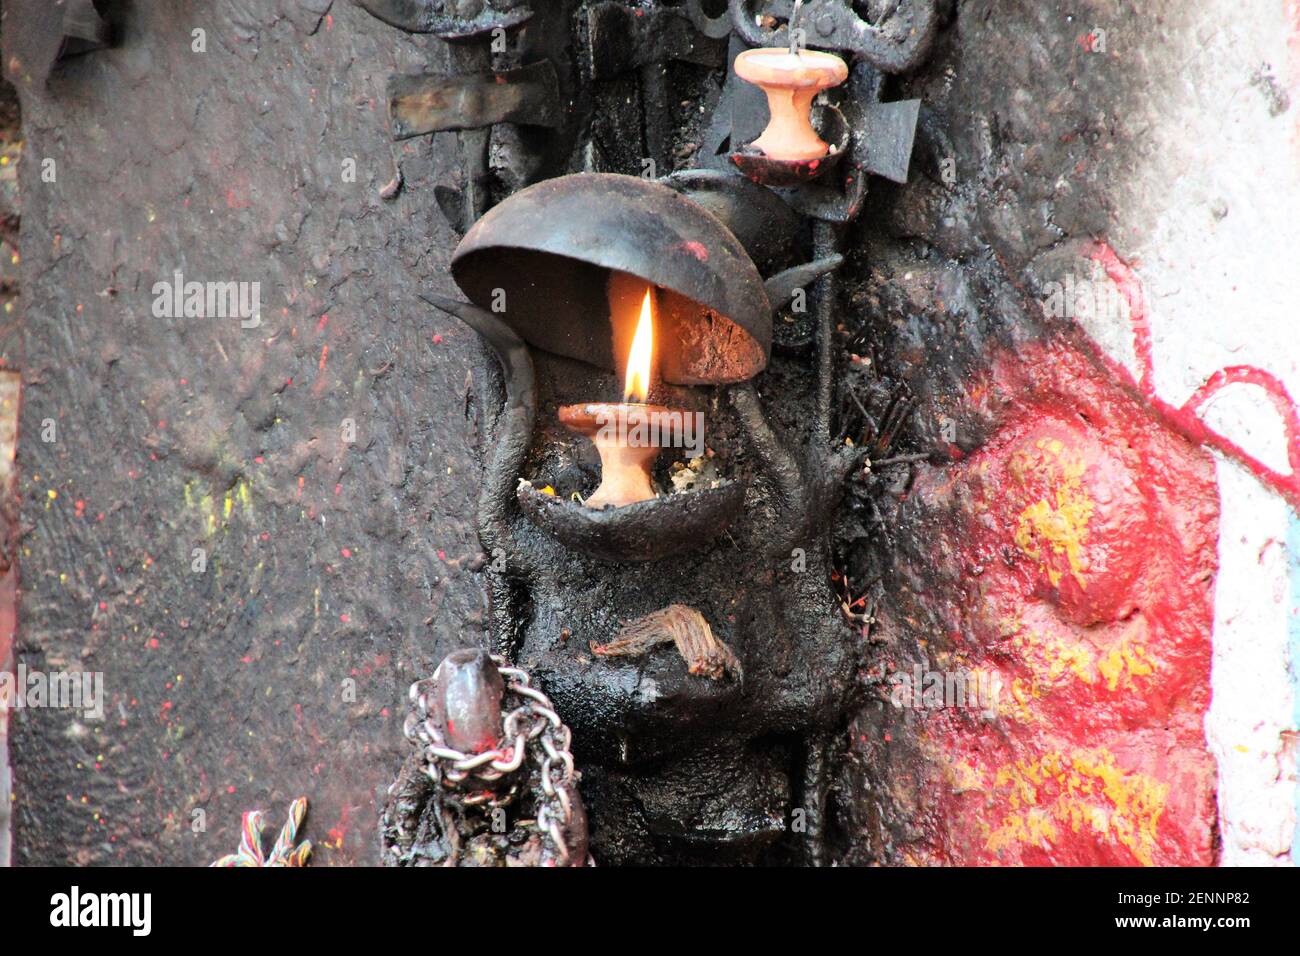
{"points": [[790, 150], [625, 275], [626, 434]]}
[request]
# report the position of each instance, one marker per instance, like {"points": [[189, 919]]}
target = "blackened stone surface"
{"points": [[325, 561]]}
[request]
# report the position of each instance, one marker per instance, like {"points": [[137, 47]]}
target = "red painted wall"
{"points": [[1082, 536]]}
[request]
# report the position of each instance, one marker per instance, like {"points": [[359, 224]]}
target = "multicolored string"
{"points": [[284, 853]]}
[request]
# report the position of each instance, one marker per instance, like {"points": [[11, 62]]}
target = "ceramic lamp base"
{"points": [[616, 429], [791, 80]]}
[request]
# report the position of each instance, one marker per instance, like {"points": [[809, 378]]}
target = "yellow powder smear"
{"points": [[1056, 525], [1084, 791], [1050, 659]]}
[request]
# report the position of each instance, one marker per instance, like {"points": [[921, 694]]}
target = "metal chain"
{"points": [[534, 731]]}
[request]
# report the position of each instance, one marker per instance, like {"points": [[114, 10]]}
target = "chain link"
{"points": [[535, 734]]}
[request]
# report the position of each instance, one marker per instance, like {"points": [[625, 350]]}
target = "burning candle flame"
{"points": [[636, 384]]}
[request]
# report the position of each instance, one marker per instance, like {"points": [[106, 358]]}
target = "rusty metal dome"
{"points": [[542, 259]]}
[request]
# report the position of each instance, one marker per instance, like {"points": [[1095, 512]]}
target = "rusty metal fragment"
{"points": [[887, 147], [432, 102]]}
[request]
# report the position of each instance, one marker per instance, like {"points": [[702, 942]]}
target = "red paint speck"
{"points": [[697, 249]]}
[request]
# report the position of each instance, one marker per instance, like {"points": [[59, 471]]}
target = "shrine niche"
{"points": [[622, 433]]}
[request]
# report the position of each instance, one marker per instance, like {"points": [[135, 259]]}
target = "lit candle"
{"points": [[791, 78], [626, 434]]}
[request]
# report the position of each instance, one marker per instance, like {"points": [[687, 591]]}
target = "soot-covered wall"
{"points": [[326, 561]]}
